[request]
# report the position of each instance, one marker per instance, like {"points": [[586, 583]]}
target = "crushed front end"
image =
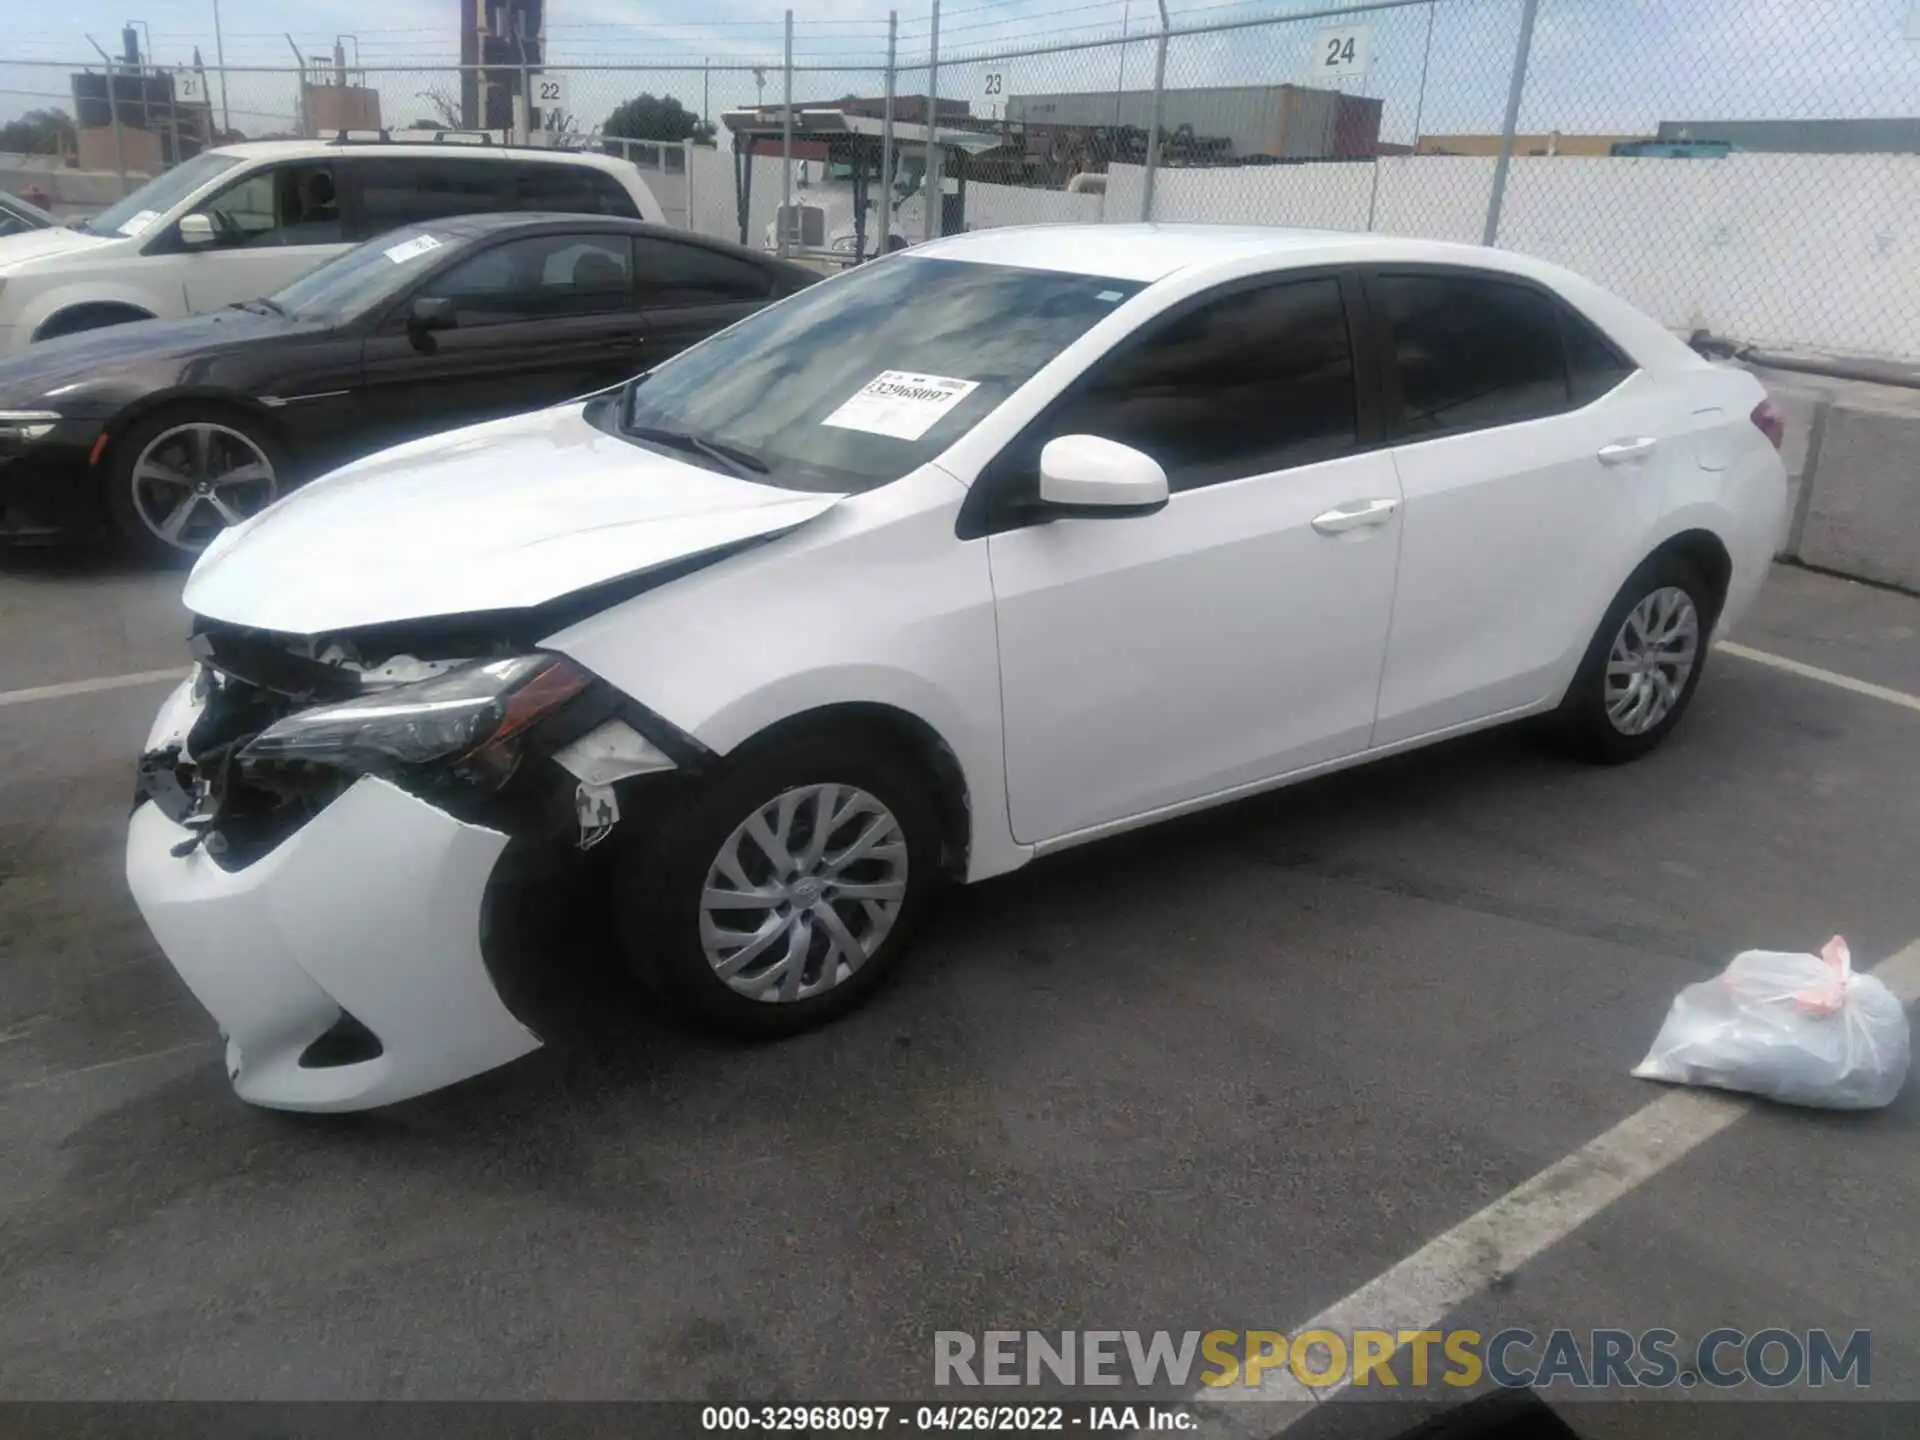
{"points": [[326, 828]]}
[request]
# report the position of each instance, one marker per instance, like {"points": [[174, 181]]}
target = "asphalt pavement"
{"points": [[1216, 1075]]}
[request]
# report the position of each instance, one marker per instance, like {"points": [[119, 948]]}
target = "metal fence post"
{"points": [[885, 237], [1153, 129], [786, 146], [1491, 234], [686, 166], [220, 59], [931, 182], [113, 113]]}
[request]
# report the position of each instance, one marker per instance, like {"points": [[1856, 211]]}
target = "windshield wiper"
{"points": [[79, 222], [729, 458]]}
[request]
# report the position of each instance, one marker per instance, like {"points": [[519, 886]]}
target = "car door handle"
{"points": [[1354, 516], [1620, 452]]}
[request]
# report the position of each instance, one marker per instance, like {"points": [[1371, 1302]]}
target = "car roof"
{"points": [[401, 149], [506, 222], [1150, 252]]}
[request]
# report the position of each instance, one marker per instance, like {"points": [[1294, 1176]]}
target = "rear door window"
{"points": [[407, 190], [571, 190], [1470, 352]]}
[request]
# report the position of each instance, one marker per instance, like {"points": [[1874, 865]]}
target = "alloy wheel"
{"points": [[803, 892], [1653, 654], [194, 480]]}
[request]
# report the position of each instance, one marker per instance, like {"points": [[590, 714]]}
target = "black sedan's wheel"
{"points": [[780, 895], [1643, 665], [178, 479]]}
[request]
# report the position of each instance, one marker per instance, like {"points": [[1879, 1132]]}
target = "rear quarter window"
{"points": [[1594, 363], [671, 273]]}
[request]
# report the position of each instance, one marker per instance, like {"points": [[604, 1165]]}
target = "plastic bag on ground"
{"points": [[1802, 1029]]}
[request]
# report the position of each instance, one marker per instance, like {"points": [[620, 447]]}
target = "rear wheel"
{"points": [[1643, 664], [779, 896], [177, 479]]}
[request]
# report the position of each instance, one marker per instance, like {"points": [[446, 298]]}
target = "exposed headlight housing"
{"points": [[469, 719]]}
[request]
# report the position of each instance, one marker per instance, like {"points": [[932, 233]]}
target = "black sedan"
{"points": [[164, 431]]}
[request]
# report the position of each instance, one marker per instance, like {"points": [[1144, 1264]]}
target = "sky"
{"points": [[1604, 66]]}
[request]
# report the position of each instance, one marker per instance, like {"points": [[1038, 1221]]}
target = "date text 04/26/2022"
{"points": [[1125, 1419]]}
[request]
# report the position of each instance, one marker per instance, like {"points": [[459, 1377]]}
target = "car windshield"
{"points": [[857, 381], [365, 276], [145, 206]]}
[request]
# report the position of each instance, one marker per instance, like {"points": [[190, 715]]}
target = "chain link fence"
{"points": [[1746, 167]]}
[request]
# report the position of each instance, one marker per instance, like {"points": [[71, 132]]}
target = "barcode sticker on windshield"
{"points": [[134, 224], [901, 404], [407, 249]]}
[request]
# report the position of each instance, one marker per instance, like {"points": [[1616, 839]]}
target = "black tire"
{"points": [[117, 478], [1583, 720], [659, 882]]}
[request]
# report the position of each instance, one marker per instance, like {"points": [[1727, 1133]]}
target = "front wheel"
{"points": [[177, 479], [779, 896], [1643, 664]]}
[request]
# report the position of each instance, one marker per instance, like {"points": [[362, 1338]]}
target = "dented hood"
{"points": [[498, 516]]}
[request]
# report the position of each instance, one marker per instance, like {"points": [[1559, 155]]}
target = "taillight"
{"points": [[1767, 420]]}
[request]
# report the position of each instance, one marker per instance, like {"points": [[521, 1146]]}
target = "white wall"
{"points": [[1318, 196], [1808, 251], [989, 206]]}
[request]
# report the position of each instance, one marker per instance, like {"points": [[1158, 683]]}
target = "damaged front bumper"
{"points": [[344, 967], [352, 933]]}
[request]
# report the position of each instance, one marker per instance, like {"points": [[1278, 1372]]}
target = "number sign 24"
{"points": [[1345, 51]]}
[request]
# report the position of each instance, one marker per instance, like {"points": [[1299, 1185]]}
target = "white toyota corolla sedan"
{"points": [[990, 548]]}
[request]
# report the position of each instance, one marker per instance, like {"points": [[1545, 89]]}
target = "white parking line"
{"points": [[89, 687], [1829, 677], [1453, 1267]]}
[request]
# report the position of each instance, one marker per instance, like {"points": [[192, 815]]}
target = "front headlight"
{"points": [[23, 425], [472, 714]]}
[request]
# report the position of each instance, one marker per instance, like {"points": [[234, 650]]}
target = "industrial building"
{"points": [[1893, 136], [1274, 122]]}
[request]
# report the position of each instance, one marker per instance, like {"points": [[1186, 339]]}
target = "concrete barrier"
{"points": [[1853, 465]]}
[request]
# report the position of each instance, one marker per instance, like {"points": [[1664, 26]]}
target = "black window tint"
{"points": [[675, 274], [1473, 353], [571, 190], [538, 278], [408, 191], [1254, 382], [1594, 365]]}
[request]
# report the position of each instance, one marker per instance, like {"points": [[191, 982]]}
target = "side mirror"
{"points": [[1084, 475], [430, 312], [197, 230]]}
